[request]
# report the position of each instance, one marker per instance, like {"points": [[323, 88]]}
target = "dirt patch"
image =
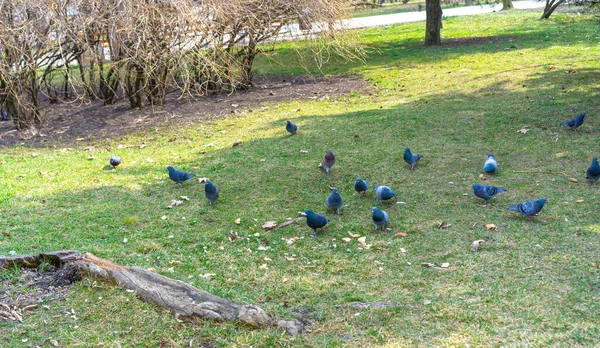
{"points": [[31, 288], [66, 124]]}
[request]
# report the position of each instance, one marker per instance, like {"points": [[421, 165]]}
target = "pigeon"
{"points": [[486, 192], [380, 218], [114, 161], [360, 186], [334, 201], [179, 176], [291, 128], [529, 208], [314, 220], [328, 161], [593, 172], [211, 192], [574, 122], [411, 158], [384, 193], [490, 166]]}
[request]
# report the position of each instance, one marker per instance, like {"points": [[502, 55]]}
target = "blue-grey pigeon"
{"points": [[380, 218], [384, 193], [334, 201], [179, 176], [490, 166], [593, 172], [211, 192], [114, 161], [574, 122], [529, 208], [314, 220], [486, 192], [360, 186], [328, 161], [411, 158], [291, 128]]}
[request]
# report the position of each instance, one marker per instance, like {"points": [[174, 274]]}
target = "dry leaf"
{"points": [[121, 146], [356, 135], [237, 143], [353, 235], [482, 177], [573, 180], [426, 302], [523, 131], [164, 217], [90, 157], [490, 227], [234, 237], [237, 221], [303, 151], [402, 250], [290, 258], [428, 265], [475, 245], [400, 234], [195, 168], [445, 265], [66, 149], [263, 266], [347, 240], [262, 160], [174, 203], [152, 269], [172, 140], [185, 198], [221, 247], [175, 263], [442, 225], [269, 225], [579, 201]]}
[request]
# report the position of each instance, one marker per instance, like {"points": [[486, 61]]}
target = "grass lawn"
{"points": [[534, 282]]}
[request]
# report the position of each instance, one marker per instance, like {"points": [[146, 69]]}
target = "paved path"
{"points": [[293, 31]]}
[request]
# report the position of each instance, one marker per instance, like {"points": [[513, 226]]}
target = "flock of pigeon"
{"points": [[384, 193]]}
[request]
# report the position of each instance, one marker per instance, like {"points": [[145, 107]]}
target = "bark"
{"points": [[186, 302], [507, 5], [551, 5], [433, 22]]}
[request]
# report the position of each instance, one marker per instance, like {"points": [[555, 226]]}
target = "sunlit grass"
{"points": [[533, 282]]}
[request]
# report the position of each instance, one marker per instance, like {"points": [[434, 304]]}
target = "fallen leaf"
{"points": [[523, 131], [290, 258], [201, 180], [237, 143], [347, 240], [263, 248], [426, 302], [121, 146], [125, 240], [174, 203], [475, 245], [164, 217], [6, 234], [174, 263], [237, 221], [356, 135], [195, 168], [262, 160], [402, 250], [234, 237], [269, 225], [152, 269], [353, 235], [445, 265], [263, 266], [579, 201], [400, 234], [172, 140], [185, 198], [573, 180], [149, 160], [66, 149], [428, 264], [90, 157], [221, 247], [482, 177], [303, 151], [490, 227], [442, 225]]}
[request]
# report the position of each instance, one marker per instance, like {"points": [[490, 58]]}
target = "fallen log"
{"points": [[186, 302]]}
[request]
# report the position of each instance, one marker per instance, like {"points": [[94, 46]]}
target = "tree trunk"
{"points": [[507, 5], [551, 5], [433, 23], [186, 302]]}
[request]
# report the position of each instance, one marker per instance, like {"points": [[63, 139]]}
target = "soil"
{"points": [[31, 288], [74, 121]]}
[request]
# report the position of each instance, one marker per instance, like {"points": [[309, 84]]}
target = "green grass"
{"points": [[535, 282]]}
